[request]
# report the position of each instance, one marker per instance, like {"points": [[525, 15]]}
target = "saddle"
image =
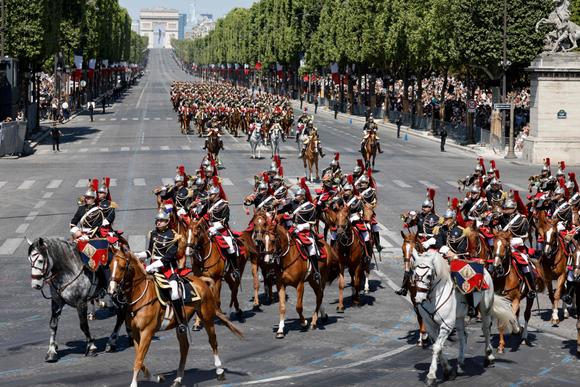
{"points": [[302, 242], [163, 290], [468, 276]]}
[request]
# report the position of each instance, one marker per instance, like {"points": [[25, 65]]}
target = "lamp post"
{"points": [[433, 79], [505, 64]]}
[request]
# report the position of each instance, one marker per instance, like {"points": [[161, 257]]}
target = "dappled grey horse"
{"points": [[256, 139], [276, 134], [56, 263]]}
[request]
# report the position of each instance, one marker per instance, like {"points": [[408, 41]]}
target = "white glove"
{"points": [[412, 214], [516, 242], [74, 230], [429, 242], [152, 268], [84, 238], [560, 227], [213, 231], [181, 212], [444, 250], [105, 222], [141, 255]]}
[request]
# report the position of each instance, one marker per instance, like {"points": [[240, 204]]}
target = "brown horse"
{"points": [[213, 145], [207, 261], [200, 120], [282, 254], [260, 222], [310, 158], [146, 314], [287, 122], [235, 121], [370, 150], [477, 245], [411, 243], [509, 283], [553, 262], [351, 255]]}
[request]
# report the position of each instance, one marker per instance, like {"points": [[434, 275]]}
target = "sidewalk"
{"points": [[476, 149]]}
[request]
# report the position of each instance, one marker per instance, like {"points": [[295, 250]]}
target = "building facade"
{"points": [[160, 25]]}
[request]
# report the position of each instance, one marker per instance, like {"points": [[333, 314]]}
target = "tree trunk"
{"points": [[442, 99], [406, 107], [419, 101]]}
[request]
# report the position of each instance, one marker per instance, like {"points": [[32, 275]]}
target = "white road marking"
{"points": [[350, 150], [145, 148], [185, 147], [82, 183], [104, 150], [10, 245], [139, 181], [124, 119], [137, 242], [101, 119], [227, 181], [401, 184], [54, 184], [517, 187], [113, 183], [157, 119], [164, 148], [169, 119], [26, 184], [385, 244], [167, 181], [22, 228], [135, 119], [2, 184], [141, 95], [31, 215], [125, 149], [83, 150], [40, 203], [113, 119], [146, 118], [427, 183], [47, 195]]}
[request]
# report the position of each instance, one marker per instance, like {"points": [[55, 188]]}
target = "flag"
{"points": [[93, 252], [78, 59], [468, 276], [334, 68], [92, 63], [258, 66]]}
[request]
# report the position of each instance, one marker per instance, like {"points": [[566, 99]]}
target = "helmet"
{"points": [[277, 177], [262, 186], [90, 193], [273, 167], [478, 168], [333, 163], [300, 192], [214, 190], [495, 181], [509, 203], [199, 182], [475, 189], [456, 240], [347, 187], [356, 170], [450, 214], [179, 178], [560, 172], [430, 223], [570, 185], [427, 203], [206, 162], [162, 215], [103, 189]]}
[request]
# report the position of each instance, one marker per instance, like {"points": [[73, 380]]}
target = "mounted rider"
{"points": [[334, 170], [494, 194], [89, 217], [310, 133], [163, 252], [368, 194], [106, 205], [412, 219], [356, 218], [213, 130], [370, 127], [475, 176]]}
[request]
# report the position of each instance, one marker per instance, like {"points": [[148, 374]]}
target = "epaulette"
{"points": [[114, 205]]}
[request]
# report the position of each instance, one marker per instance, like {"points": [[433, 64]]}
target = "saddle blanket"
{"points": [[163, 289], [94, 252], [468, 276]]}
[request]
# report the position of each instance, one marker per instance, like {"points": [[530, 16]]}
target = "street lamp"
{"points": [[505, 64]]}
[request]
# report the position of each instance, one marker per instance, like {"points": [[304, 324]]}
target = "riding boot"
{"points": [[301, 155], [234, 271], [377, 241], [248, 139], [405, 284], [567, 296], [314, 261], [320, 151], [362, 148], [471, 312], [531, 283], [221, 144], [379, 147], [204, 146], [369, 251], [179, 316]]}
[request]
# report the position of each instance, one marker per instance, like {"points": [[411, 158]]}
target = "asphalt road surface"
{"points": [[137, 143]]}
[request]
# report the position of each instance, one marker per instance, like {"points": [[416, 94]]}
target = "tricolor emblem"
{"points": [[94, 252]]}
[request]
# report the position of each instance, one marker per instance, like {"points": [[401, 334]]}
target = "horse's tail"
{"points": [[502, 311], [540, 281], [235, 330]]}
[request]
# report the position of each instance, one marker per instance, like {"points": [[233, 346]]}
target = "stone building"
{"points": [[160, 25]]}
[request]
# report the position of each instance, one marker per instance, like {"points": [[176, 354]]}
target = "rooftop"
{"points": [[160, 9]]}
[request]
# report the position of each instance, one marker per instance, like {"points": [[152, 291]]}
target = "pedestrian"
{"points": [[443, 135], [335, 109], [301, 100], [398, 122], [55, 133], [315, 104], [104, 101], [54, 109], [91, 109], [65, 110]]}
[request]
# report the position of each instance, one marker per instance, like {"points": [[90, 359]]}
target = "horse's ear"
{"points": [[41, 242], [494, 232], [28, 241], [403, 234]]}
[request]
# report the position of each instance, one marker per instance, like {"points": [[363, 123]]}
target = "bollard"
{"points": [[406, 138]]}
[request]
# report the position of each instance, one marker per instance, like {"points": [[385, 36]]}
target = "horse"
{"points": [[370, 150], [276, 134], [282, 254], [351, 254], [410, 244], [442, 308], [311, 158], [213, 145], [509, 283], [287, 122], [200, 120], [57, 263], [207, 261], [554, 39], [553, 264], [259, 223], [147, 315], [235, 121], [256, 139]]}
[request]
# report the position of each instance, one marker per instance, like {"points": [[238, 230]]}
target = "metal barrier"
{"points": [[12, 138]]}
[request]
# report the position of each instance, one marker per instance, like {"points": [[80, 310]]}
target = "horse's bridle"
{"points": [[501, 258], [197, 247], [46, 265]]}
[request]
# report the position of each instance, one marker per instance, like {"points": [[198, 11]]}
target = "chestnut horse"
{"points": [[146, 314], [509, 283], [310, 158], [282, 254], [370, 150], [553, 262], [410, 244], [259, 222]]}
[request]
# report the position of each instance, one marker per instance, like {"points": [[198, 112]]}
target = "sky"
{"points": [[216, 7]]}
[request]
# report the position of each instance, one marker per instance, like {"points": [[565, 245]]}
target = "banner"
{"points": [[79, 61], [334, 68], [93, 252]]}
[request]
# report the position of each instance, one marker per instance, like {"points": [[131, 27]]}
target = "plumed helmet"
{"points": [[273, 167], [363, 179], [347, 187], [429, 224], [90, 193], [509, 203], [162, 215], [449, 214], [199, 182], [478, 168], [206, 162], [333, 163], [427, 203], [456, 240], [300, 192], [278, 177], [262, 186], [214, 190], [357, 169], [570, 184], [475, 189], [179, 178], [103, 189], [495, 181]]}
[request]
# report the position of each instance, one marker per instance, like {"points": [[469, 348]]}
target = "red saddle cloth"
{"points": [[223, 244], [302, 241], [468, 276], [167, 272], [486, 232]]}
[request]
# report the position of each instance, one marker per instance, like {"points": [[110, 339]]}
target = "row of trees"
{"points": [[37, 30], [399, 38]]}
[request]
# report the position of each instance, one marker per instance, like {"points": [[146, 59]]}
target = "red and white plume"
{"points": [[306, 189]]}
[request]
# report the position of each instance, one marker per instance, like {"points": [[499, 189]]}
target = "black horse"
{"points": [[56, 263]]}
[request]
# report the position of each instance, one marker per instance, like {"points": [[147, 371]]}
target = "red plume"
{"points": [[181, 170], [216, 183], [547, 161], [266, 178], [95, 184], [306, 189], [107, 182], [202, 173], [521, 206], [562, 183], [480, 182], [455, 204], [350, 179], [572, 177], [562, 165], [360, 163], [281, 171], [482, 163], [337, 156], [213, 165], [371, 180], [497, 173], [492, 162], [431, 193]]}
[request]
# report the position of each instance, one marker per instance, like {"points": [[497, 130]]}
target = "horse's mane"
{"points": [[137, 264], [435, 261], [62, 252]]}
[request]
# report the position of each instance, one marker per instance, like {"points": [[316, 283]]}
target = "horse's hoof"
{"points": [[340, 309], [176, 384], [90, 316], [461, 368], [280, 335], [160, 379], [450, 374], [221, 377], [91, 352], [555, 322], [51, 357], [324, 318], [256, 308], [366, 291], [431, 382], [110, 348], [196, 328], [312, 327], [528, 342], [304, 328]]}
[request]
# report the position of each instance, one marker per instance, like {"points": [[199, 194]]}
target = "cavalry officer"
{"points": [[355, 207], [88, 218], [163, 246], [311, 131], [370, 127], [106, 205], [368, 195]]}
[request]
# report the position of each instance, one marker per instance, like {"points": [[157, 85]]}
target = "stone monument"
{"points": [[555, 93]]}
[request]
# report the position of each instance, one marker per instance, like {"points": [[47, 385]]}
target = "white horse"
{"points": [[255, 140], [442, 308], [276, 134]]}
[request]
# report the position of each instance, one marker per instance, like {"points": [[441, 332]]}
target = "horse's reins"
{"points": [[123, 285], [428, 291]]}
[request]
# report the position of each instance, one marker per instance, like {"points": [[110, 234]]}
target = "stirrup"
{"points": [[471, 312], [532, 294], [181, 329]]}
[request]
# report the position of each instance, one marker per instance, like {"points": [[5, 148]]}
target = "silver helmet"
{"points": [[347, 187], [214, 190], [273, 167], [333, 163], [427, 203], [356, 170], [206, 162], [509, 203], [560, 172], [199, 182], [449, 214], [363, 180], [300, 192], [262, 186], [475, 189], [162, 215], [179, 178], [495, 181], [103, 189], [478, 168], [90, 193], [570, 185]]}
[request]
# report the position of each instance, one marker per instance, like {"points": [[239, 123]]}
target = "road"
{"points": [[138, 144]]}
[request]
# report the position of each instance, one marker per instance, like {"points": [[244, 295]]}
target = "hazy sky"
{"points": [[216, 7]]}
